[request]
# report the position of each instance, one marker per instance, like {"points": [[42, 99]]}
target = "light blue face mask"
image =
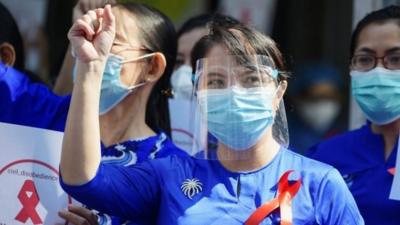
{"points": [[377, 92], [113, 91], [237, 117]]}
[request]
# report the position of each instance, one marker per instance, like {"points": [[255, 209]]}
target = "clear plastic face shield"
{"points": [[239, 107]]}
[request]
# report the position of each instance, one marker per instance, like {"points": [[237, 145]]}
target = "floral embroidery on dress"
{"points": [[127, 154]]}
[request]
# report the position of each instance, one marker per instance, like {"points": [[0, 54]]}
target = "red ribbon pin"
{"points": [[286, 193], [29, 198]]}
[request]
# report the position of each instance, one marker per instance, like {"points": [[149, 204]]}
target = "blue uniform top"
{"points": [[153, 190], [30, 104], [358, 155], [25, 103]]}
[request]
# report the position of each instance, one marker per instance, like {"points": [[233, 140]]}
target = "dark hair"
{"points": [[199, 21], [240, 39], [230, 33], [379, 17], [10, 33], [157, 34]]}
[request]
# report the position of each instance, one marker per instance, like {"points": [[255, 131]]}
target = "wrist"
{"points": [[94, 66], [90, 71]]}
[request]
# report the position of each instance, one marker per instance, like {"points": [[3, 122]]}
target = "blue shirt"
{"points": [[31, 104], [359, 157], [135, 151], [153, 190], [25, 103]]}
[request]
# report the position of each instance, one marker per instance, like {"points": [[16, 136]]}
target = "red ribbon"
{"points": [[392, 171], [29, 203], [286, 193]]}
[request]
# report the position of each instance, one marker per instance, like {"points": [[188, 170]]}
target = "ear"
{"points": [[157, 67], [279, 93], [7, 54]]}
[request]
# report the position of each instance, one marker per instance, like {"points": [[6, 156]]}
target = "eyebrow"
{"points": [[215, 74], [394, 49], [368, 50]]}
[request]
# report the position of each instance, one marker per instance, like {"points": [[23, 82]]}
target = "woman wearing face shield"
{"points": [[133, 120], [254, 180], [366, 156]]}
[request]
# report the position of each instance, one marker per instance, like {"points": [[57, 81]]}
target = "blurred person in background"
{"points": [[317, 97], [366, 156], [190, 32], [12, 52]]}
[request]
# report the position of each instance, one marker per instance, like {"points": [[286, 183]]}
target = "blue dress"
{"points": [[358, 155], [25, 103], [156, 189]]}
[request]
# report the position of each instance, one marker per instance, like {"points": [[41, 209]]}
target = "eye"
{"points": [[364, 61], [179, 62], [250, 80], [393, 61], [216, 83]]}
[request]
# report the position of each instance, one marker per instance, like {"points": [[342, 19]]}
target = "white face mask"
{"points": [[320, 114], [181, 81]]}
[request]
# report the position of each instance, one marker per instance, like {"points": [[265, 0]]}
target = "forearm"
{"points": [[80, 156], [64, 83]]}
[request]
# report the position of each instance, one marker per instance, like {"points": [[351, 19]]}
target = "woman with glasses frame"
{"points": [[366, 156]]}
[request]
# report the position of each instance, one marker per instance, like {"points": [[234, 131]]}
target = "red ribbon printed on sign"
{"points": [[29, 198], [286, 193]]}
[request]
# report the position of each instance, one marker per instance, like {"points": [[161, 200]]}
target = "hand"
{"points": [[83, 6], [92, 35], [78, 215]]}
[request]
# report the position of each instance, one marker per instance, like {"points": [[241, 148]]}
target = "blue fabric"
{"points": [[132, 152], [359, 157], [30, 104], [153, 190]]}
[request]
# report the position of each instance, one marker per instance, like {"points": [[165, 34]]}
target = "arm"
{"points": [[80, 157], [128, 192], [334, 203], [64, 83]]}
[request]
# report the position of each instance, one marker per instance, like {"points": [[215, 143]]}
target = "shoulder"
{"points": [[304, 164], [341, 141], [343, 151], [165, 147]]}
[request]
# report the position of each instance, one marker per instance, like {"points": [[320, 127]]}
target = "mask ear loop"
{"points": [[138, 58], [133, 60]]}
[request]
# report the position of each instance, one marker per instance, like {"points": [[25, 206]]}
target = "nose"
{"points": [[379, 62]]}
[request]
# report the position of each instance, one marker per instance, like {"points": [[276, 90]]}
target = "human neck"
{"points": [[251, 159], [390, 133], [125, 121]]}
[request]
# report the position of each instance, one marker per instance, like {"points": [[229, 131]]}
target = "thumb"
{"points": [[108, 19]]}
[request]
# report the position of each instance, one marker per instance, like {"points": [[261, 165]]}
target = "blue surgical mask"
{"points": [[113, 91], [377, 92], [237, 117], [181, 82]]}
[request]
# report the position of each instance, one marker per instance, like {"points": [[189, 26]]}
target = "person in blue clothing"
{"points": [[366, 156], [133, 117], [316, 94], [255, 180]]}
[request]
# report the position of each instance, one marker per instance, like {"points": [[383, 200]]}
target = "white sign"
{"points": [[395, 191], [30, 192]]}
